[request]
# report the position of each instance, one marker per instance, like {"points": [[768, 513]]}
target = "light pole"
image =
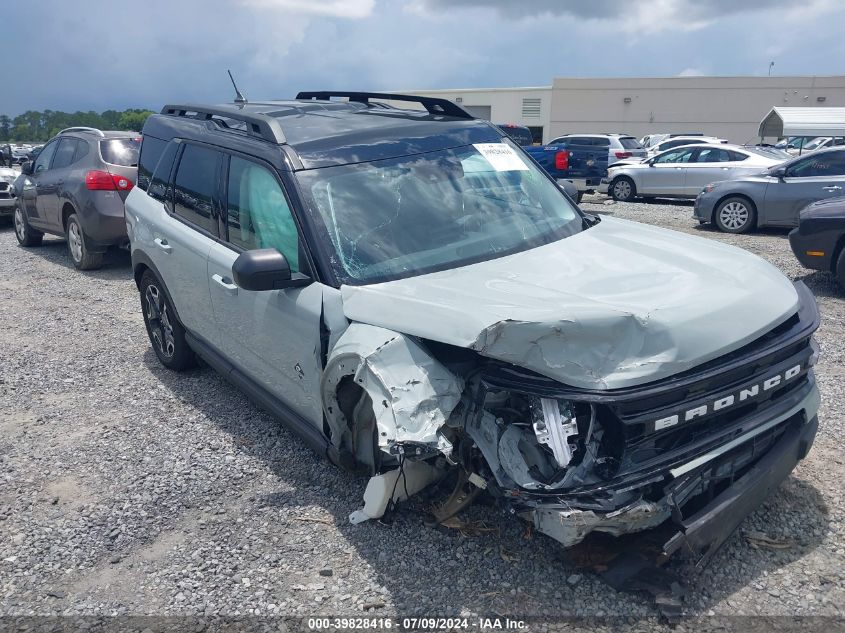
{"points": [[770, 68]]}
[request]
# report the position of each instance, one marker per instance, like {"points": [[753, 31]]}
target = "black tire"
{"points": [[167, 334], [623, 189], [579, 197], [27, 236], [839, 271], [735, 215], [77, 246]]}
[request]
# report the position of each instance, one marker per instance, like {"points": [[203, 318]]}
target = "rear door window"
{"points": [[121, 151], [579, 140], [194, 187], [64, 153], [713, 155], [258, 215]]}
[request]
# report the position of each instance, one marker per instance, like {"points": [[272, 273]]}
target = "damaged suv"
{"points": [[409, 292]]}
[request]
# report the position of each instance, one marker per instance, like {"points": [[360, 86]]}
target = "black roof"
{"points": [[323, 132]]}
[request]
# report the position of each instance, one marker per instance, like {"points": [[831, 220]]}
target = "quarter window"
{"points": [[258, 215], [161, 176], [151, 149], [193, 187]]}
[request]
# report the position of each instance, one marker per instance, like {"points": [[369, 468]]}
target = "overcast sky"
{"points": [[93, 54]]}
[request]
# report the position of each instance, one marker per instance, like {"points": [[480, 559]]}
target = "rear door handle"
{"points": [[163, 245], [832, 188], [226, 283]]}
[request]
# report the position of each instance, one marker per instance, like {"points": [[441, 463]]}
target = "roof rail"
{"points": [[257, 124], [82, 128], [434, 105]]}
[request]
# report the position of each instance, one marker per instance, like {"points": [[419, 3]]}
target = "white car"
{"points": [[820, 142], [682, 172], [678, 141]]}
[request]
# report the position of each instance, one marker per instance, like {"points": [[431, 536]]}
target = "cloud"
{"points": [[333, 8], [88, 54], [643, 16]]}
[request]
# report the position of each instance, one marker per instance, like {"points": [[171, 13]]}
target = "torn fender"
{"points": [[412, 393]]}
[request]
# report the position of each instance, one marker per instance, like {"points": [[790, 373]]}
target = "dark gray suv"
{"points": [[76, 188]]}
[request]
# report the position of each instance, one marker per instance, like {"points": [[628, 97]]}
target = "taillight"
{"points": [[97, 180], [562, 159], [623, 154]]}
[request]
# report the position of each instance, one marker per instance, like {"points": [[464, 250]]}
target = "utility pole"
{"points": [[770, 68]]}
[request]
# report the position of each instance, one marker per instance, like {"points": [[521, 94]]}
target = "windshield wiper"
{"points": [[591, 220]]}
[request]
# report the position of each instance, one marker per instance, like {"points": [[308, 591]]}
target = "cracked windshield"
{"points": [[401, 217]]}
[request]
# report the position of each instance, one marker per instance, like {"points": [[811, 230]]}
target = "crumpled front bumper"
{"points": [[704, 531]]}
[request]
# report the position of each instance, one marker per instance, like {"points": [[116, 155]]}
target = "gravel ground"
{"points": [[127, 489]]}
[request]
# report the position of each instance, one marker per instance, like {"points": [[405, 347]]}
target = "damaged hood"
{"points": [[617, 305]]}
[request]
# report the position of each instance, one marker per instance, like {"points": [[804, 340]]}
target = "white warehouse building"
{"points": [[728, 107]]}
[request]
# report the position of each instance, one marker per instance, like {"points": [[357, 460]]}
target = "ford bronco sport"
{"points": [[409, 292]]}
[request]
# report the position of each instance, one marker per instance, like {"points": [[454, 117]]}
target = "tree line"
{"points": [[32, 126]]}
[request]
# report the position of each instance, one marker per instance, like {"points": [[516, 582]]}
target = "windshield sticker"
{"points": [[501, 156]]}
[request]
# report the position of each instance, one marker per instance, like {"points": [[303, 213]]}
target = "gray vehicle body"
{"points": [[682, 172], [407, 375], [51, 193], [779, 194]]}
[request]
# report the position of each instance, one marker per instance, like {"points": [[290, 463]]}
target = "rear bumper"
{"points": [[104, 220], [584, 184]]}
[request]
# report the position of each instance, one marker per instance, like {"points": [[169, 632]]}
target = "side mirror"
{"points": [[26, 168], [778, 172], [266, 269]]}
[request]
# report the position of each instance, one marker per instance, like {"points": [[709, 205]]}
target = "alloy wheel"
{"points": [[74, 240], [159, 321], [622, 189], [734, 215], [20, 225]]}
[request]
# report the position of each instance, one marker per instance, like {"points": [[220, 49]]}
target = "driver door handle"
{"points": [[163, 245], [832, 188], [229, 287]]}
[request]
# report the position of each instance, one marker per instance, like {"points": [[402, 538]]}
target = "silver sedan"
{"points": [[681, 172]]}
